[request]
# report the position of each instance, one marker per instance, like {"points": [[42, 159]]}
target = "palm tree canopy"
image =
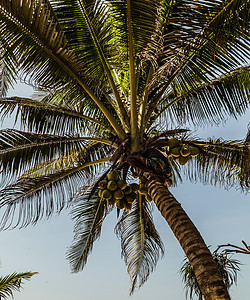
{"points": [[117, 77]]}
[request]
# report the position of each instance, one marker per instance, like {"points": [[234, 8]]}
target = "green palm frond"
{"points": [[13, 282], [214, 41], [140, 242], [209, 102], [88, 215], [223, 163], [205, 31], [51, 193], [20, 150], [91, 28], [8, 75], [42, 51], [45, 117]]}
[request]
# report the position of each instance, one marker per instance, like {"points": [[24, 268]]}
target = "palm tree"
{"points": [[13, 282], [115, 79]]}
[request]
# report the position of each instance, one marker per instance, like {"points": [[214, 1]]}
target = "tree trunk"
{"points": [[205, 268]]}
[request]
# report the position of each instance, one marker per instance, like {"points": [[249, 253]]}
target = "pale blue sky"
{"points": [[221, 216]]}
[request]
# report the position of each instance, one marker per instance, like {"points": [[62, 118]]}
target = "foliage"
{"points": [[116, 78]]}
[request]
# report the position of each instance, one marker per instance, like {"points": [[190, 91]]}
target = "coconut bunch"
{"points": [[115, 190], [181, 153]]}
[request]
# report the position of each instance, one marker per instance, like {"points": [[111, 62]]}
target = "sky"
{"points": [[221, 216]]}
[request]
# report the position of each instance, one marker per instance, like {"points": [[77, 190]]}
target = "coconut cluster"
{"points": [[181, 153], [116, 191]]}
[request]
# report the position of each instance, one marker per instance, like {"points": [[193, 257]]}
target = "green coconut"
{"points": [[128, 190], [183, 160], [173, 142], [142, 190], [118, 194], [103, 184], [128, 206], [120, 203], [176, 152], [106, 194], [112, 186], [135, 187], [185, 151], [129, 199], [113, 176], [133, 195], [194, 151], [112, 201], [121, 184]]}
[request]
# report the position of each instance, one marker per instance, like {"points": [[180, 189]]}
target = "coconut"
{"points": [[121, 184], [112, 201], [113, 176], [112, 186], [133, 195], [194, 151], [185, 151], [135, 187], [128, 190], [102, 184], [120, 203], [118, 194], [176, 152], [129, 199], [183, 160], [128, 206], [173, 142], [106, 194], [142, 190]]}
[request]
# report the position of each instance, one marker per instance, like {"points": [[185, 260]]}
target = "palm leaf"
{"points": [[88, 215], [45, 117], [140, 242], [201, 56], [42, 51], [51, 194], [13, 282], [223, 163], [209, 102]]}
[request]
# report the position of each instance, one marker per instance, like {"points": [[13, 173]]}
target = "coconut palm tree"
{"points": [[13, 282], [116, 80]]}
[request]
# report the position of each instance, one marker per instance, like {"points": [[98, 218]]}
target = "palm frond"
{"points": [[223, 163], [207, 40], [140, 242], [20, 150], [13, 282], [30, 199], [32, 35], [88, 215], [8, 75], [209, 102], [42, 116]]}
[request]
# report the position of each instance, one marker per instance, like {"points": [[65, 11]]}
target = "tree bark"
{"points": [[200, 258]]}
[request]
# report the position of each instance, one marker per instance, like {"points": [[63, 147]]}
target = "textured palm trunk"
{"points": [[205, 268]]}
